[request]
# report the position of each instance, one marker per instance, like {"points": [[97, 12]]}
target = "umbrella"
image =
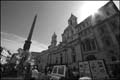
{"points": [[85, 78]]}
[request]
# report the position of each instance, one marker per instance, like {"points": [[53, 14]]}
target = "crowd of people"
{"points": [[8, 70]]}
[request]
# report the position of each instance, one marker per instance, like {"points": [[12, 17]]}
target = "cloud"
{"points": [[12, 42]]}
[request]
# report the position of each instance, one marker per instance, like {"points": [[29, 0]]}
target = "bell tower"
{"points": [[72, 21], [53, 41]]}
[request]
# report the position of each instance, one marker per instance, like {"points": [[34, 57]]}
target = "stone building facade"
{"points": [[95, 38]]}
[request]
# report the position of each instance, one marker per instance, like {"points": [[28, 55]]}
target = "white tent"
{"points": [[85, 78]]}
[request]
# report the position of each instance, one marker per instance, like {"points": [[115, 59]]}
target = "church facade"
{"points": [[95, 38]]}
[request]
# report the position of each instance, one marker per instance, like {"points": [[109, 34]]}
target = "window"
{"points": [[101, 30], [72, 32], [56, 60], [79, 34], [93, 43], [61, 59], [113, 58], [79, 28], [91, 57], [85, 32], [82, 33], [74, 58], [83, 46], [73, 54], [102, 70], [113, 24], [55, 70], [70, 22], [83, 25], [91, 30], [88, 31], [87, 23], [100, 64], [61, 70], [108, 13], [73, 50], [88, 45], [118, 39], [107, 41]]}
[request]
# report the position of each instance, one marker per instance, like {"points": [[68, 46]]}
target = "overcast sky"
{"points": [[17, 18]]}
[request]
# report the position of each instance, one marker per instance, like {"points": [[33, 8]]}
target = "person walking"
{"points": [[35, 74], [27, 72]]}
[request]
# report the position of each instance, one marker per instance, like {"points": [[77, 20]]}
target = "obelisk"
{"points": [[28, 42]]}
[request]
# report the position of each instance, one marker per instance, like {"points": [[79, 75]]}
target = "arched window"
{"points": [[88, 44], [107, 41], [74, 58], [101, 30], [90, 57], [73, 55], [83, 46], [114, 25], [93, 44]]}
